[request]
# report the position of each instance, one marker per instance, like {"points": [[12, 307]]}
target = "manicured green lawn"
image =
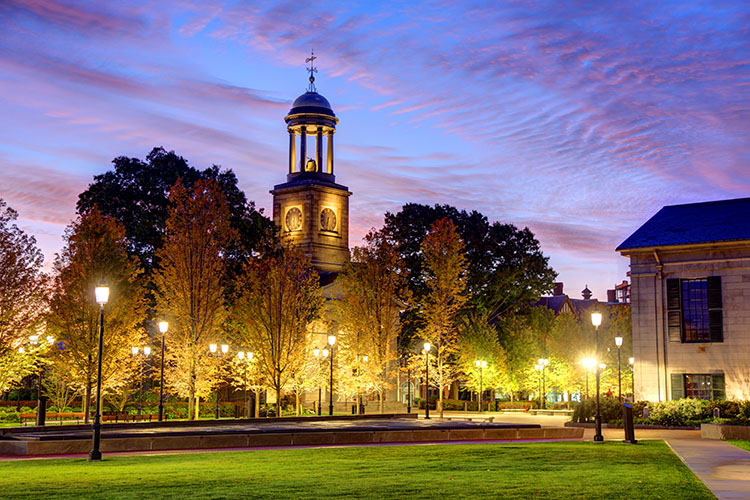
{"points": [[745, 445], [563, 470]]}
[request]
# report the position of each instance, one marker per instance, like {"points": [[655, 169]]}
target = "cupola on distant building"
{"points": [[310, 208]]}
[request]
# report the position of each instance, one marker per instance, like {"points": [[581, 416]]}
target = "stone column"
{"points": [[303, 149], [291, 151], [330, 152], [319, 149]]}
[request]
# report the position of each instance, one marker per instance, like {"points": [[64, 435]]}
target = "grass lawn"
{"points": [[745, 445], [562, 470]]}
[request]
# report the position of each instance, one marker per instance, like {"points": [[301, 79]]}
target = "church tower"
{"points": [[310, 208]]}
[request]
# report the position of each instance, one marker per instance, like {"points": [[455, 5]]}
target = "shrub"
{"points": [[610, 409], [681, 412], [9, 415]]}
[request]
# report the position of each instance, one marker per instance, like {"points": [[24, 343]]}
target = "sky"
{"points": [[578, 120]]}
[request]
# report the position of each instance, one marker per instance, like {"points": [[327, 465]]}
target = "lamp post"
{"points": [[320, 353], [101, 292], [543, 362], [163, 327], [427, 347], [214, 349], [331, 342], [480, 364], [41, 405], [618, 343], [146, 353], [360, 406], [596, 320], [631, 362], [588, 365], [408, 387], [538, 368], [245, 359]]}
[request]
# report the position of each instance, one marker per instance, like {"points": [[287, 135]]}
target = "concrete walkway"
{"points": [[723, 467]]}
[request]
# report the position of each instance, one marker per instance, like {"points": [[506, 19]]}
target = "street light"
{"points": [[480, 365], [320, 353], [588, 365], [217, 351], [101, 293], [596, 320], [146, 353], [618, 343], [163, 327], [543, 362], [427, 347], [246, 358], [631, 361], [538, 368], [331, 342]]}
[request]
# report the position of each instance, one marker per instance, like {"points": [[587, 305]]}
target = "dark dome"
{"points": [[311, 102]]}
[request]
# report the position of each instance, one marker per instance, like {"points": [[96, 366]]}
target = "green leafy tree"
{"points": [[445, 279], [279, 302], [96, 250], [191, 286], [373, 292], [22, 296], [136, 193], [478, 342]]}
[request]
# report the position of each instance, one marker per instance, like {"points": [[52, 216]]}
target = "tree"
{"points": [[95, 250], [190, 286], [136, 193], [244, 374], [478, 341], [506, 268], [444, 276], [373, 291], [279, 302], [22, 295]]}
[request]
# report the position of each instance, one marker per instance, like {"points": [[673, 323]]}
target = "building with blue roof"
{"points": [[690, 279]]}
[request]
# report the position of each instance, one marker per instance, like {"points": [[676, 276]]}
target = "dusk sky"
{"points": [[578, 120]]}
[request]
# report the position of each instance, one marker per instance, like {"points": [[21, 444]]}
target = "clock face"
{"points": [[327, 220], [293, 219]]}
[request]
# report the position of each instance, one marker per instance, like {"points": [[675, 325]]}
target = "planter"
{"points": [[725, 431]]}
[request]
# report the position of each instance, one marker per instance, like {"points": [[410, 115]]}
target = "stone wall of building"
{"points": [[656, 358]]}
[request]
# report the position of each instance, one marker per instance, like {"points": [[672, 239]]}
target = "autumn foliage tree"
{"points": [[445, 280], [95, 250], [191, 285], [280, 299], [374, 288], [22, 293]]}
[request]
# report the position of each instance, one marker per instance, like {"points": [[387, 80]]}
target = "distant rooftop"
{"points": [[709, 222]]}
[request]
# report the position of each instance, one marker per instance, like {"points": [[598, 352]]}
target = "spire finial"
{"points": [[312, 69]]}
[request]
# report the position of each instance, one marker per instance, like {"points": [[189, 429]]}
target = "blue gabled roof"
{"points": [[709, 222]]}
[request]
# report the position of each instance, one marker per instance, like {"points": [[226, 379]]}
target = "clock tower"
{"points": [[310, 208]]}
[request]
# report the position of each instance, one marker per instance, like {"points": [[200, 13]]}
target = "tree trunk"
{"points": [[296, 403], [440, 401], [278, 401], [257, 403], [192, 403], [197, 410]]}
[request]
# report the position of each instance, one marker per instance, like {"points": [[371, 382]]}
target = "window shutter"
{"points": [[673, 294], [673, 326], [714, 292], [678, 386], [716, 325], [717, 386], [674, 315]]}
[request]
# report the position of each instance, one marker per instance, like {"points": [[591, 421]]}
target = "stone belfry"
{"points": [[310, 208]]}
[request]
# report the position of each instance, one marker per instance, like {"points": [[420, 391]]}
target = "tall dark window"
{"points": [[694, 311]]}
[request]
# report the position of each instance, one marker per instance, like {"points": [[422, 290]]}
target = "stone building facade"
{"points": [[690, 278]]}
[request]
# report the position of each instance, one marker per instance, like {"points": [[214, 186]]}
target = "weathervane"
{"points": [[312, 69]]}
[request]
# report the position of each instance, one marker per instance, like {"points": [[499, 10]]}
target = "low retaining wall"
{"points": [[148, 443], [724, 431]]}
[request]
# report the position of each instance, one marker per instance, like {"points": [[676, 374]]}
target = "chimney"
{"points": [[558, 290], [611, 296]]}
